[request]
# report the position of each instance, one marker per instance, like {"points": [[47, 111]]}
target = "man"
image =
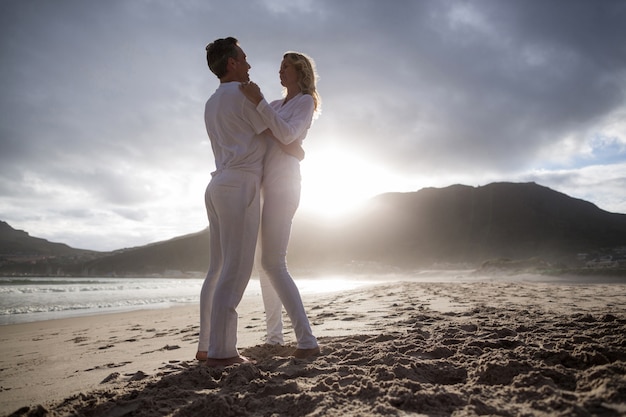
{"points": [[232, 202]]}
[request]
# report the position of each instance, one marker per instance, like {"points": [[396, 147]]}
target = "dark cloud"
{"points": [[494, 81], [102, 101]]}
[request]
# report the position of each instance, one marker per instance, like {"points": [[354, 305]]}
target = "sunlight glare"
{"points": [[337, 181]]}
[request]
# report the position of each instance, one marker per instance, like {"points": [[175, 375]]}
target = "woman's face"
{"points": [[288, 75]]}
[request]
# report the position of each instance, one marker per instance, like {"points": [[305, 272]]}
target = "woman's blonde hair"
{"points": [[307, 76]]}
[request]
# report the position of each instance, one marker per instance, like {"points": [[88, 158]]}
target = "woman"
{"points": [[289, 120]]}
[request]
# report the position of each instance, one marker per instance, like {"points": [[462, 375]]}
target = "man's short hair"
{"points": [[218, 52]]}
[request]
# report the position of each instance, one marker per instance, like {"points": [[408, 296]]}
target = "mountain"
{"points": [[462, 224], [21, 253], [18, 242], [177, 256], [453, 225]]}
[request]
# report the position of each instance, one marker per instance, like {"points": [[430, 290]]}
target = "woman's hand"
{"points": [[252, 92]]}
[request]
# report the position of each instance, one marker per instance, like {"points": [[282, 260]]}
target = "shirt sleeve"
{"points": [[253, 117], [287, 131]]}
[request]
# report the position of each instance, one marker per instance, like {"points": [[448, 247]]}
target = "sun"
{"points": [[336, 182]]}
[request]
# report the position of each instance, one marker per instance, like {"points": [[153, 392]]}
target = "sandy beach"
{"points": [[497, 346]]}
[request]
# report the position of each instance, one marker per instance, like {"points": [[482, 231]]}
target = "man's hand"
{"points": [[293, 149]]}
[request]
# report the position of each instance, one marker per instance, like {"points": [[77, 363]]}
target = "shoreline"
{"points": [[348, 282], [151, 297], [62, 365]]}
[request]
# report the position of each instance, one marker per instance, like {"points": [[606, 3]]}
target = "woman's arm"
{"points": [[286, 131]]}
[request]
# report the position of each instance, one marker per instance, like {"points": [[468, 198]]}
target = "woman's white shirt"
{"points": [[289, 122]]}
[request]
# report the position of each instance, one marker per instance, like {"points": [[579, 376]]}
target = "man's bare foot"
{"points": [[219, 363], [306, 353], [201, 355]]}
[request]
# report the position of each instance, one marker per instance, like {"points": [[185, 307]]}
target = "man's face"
{"points": [[241, 67]]}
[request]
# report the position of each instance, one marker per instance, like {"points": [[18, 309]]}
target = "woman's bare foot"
{"points": [[201, 355], [218, 363]]}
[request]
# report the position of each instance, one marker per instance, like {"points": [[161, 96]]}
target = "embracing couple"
{"points": [[257, 150]]}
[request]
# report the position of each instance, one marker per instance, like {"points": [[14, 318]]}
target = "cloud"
{"points": [[101, 124]]}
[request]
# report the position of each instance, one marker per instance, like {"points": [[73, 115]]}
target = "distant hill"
{"points": [[452, 225], [178, 256], [21, 253], [18, 242], [462, 224]]}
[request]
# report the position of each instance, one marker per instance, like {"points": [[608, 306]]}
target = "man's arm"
{"points": [[294, 149]]}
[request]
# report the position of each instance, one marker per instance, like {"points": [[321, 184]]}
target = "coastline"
{"points": [[66, 365], [33, 299]]}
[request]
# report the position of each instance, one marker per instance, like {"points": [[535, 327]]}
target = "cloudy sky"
{"points": [[102, 140]]}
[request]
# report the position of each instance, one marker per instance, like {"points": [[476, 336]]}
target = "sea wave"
{"points": [[49, 308], [45, 281], [35, 299]]}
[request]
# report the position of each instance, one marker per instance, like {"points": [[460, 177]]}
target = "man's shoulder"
{"points": [[229, 87], [227, 92]]}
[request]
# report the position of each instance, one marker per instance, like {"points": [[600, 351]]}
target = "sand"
{"points": [[496, 346]]}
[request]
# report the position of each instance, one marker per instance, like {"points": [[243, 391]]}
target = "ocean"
{"points": [[29, 299]]}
